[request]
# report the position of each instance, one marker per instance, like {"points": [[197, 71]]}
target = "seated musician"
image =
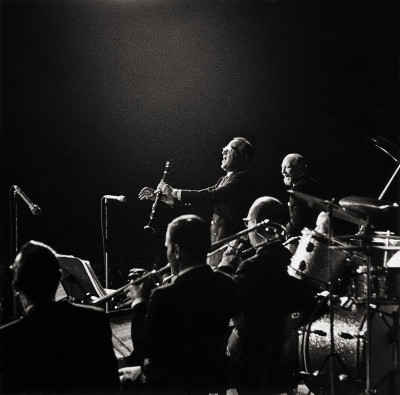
{"points": [[57, 347], [181, 329], [263, 345], [295, 176]]}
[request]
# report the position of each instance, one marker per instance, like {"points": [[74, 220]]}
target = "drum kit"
{"points": [[350, 343]]}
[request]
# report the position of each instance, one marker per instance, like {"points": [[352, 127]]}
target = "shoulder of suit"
{"points": [[305, 183]]}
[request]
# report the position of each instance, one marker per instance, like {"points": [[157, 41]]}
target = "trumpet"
{"points": [[119, 291], [224, 243]]}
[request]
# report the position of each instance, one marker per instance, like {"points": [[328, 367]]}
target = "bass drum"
{"points": [[350, 329]]}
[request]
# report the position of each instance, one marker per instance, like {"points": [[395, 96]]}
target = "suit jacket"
{"points": [[263, 344], [183, 331], [58, 348], [231, 198], [301, 215]]}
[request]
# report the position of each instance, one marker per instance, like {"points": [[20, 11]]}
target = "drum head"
{"points": [[349, 359]]}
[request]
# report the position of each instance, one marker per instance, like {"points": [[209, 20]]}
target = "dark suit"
{"points": [[301, 215], [231, 198], [263, 344], [183, 334], [57, 348]]}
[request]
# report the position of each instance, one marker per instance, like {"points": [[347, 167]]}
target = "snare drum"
{"points": [[350, 330], [313, 258], [387, 239]]}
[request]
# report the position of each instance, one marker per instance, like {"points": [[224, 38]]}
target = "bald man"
{"points": [[262, 348], [294, 171]]}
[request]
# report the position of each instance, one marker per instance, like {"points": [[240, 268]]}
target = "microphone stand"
{"points": [[16, 307], [104, 228], [105, 242]]}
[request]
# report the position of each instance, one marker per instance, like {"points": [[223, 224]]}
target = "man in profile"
{"points": [[230, 198], [182, 330], [57, 347]]}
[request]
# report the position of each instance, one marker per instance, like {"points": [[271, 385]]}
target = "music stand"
{"points": [[78, 279]]}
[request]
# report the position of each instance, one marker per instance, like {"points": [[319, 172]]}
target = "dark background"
{"points": [[97, 95]]}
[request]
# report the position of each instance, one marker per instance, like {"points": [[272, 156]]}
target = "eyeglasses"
{"points": [[247, 221], [230, 148]]}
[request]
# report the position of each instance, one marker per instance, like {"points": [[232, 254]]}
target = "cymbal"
{"points": [[366, 206], [325, 205]]}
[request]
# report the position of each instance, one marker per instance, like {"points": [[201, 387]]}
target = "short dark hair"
{"points": [[246, 148], [37, 271], [191, 234]]}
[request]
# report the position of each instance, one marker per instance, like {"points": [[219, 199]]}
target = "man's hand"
{"points": [[147, 193], [135, 292], [232, 255], [130, 373], [166, 189]]}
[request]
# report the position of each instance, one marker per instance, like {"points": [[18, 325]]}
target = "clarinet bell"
{"points": [[149, 230]]}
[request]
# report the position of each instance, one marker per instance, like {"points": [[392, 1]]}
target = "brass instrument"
{"points": [[148, 228], [224, 243], [119, 291], [253, 250]]}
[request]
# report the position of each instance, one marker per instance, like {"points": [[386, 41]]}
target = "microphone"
{"points": [[387, 147], [33, 207], [120, 198]]}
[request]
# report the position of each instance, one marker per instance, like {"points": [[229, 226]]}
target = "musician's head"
{"points": [[237, 154], [263, 208], [293, 166], [187, 242], [36, 272]]}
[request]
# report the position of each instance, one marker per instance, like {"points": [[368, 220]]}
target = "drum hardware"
{"points": [[339, 212], [310, 258], [366, 206], [350, 343], [328, 206], [376, 291], [386, 146]]}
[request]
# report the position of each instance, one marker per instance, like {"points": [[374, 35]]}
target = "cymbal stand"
{"points": [[394, 330], [331, 310], [389, 182], [333, 355], [368, 389]]}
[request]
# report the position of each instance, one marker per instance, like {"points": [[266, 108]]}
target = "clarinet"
{"points": [[148, 228]]}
